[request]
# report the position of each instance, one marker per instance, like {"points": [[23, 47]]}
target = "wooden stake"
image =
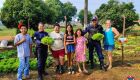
{"points": [[123, 37]]}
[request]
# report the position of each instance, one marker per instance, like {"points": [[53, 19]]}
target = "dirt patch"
{"points": [[6, 38]]}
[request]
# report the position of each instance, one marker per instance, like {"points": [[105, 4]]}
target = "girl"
{"points": [[80, 50], [69, 41]]}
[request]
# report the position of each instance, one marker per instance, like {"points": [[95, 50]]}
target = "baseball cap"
{"points": [[94, 18]]}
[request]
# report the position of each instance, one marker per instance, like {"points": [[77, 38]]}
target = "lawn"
{"points": [[12, 32]]}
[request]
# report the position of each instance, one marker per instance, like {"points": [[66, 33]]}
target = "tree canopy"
{"points": [[35, 11], [81, 16], [115, 11]]}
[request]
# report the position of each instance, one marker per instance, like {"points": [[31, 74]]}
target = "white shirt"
{"points": [[58, 40]]}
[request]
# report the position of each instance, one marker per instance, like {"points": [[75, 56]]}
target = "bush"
{"points": [[8, 54], [11, 64]]}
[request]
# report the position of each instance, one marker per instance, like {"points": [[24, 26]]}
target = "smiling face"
{"points": [[94, 22], [69, 28], [41, 27], [108, 24], [57, 29], [79, 33], [23, 29]]}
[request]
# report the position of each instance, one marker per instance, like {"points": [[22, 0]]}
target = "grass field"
{"points": [[7, 32], [12, 32]]}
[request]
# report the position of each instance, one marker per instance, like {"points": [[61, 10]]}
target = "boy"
{"points": [[23, 42], [57, 48]]}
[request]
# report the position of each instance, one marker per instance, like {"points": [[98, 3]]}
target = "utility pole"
{"points": [[85, 13]]}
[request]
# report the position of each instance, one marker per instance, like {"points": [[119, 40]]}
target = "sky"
{"points": [[93, 4]]}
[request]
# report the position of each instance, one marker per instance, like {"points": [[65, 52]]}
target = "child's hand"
{"points": [[85, 52], [31, 54], [66, 51], [23, 39], [67, 43]]}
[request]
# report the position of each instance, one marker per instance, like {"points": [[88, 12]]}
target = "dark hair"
{"points": [[56, 24], [66, 31], [24, 26], [79, 29], [41, 23]]}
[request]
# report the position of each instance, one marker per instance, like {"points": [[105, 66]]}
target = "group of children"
{"points": [[73, 44]]}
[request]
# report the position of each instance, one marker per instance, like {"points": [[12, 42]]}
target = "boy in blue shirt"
{"points": [[23, 42]]}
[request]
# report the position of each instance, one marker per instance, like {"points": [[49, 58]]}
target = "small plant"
{"points": [[47, 40]]}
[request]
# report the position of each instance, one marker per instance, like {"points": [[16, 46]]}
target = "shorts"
{"points": [[109, 47], [58, 53], [70, 48]]}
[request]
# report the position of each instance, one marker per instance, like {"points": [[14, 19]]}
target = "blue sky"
{"points": [[93, 4]]}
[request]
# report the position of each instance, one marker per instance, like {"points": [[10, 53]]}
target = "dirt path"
{"points": [[6, 38], [118, 72]]}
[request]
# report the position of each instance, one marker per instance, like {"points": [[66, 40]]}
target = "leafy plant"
{"points": [[8, 54]]}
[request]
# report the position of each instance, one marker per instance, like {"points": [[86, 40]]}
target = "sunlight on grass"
{"points": [[7, 32]]}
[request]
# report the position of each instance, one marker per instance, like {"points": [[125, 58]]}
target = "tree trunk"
{"points": [[85, 13]]}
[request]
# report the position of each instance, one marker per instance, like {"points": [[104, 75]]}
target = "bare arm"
{"points": [[116, 32], [30, 49], [65, 43], [85, 47], [20, 42]]}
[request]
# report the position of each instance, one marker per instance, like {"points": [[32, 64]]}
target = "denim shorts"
{"points": [[70, 48], [109, 47]]}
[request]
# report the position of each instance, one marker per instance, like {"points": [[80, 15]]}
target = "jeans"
{"points": [[97, 46], [23, 66]]}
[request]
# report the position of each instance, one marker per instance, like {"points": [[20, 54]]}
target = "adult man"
{"points": [[94, 44]]}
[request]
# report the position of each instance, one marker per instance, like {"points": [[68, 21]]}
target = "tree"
{"points": [[57, 11], [115, 11], [33, 11], [69, 10], [81, 17]]}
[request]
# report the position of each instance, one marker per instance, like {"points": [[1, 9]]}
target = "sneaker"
{"points": [[61, 70], [72, 71], [103, 67], [40, 78], [45, 73], [57, 69]]}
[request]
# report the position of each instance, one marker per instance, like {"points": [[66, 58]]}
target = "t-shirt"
{"points": [[58, 40], [23, 49]]}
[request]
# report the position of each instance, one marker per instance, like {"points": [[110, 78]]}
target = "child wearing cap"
{"points": [[23, 42]]}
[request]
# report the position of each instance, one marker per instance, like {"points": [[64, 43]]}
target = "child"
{"points": [[24, 47], [69, 41], [41, 50], [57, 48], [80, 50]]}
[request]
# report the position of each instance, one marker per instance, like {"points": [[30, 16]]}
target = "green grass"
{"points": [[7, 32], [12, 32]]}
